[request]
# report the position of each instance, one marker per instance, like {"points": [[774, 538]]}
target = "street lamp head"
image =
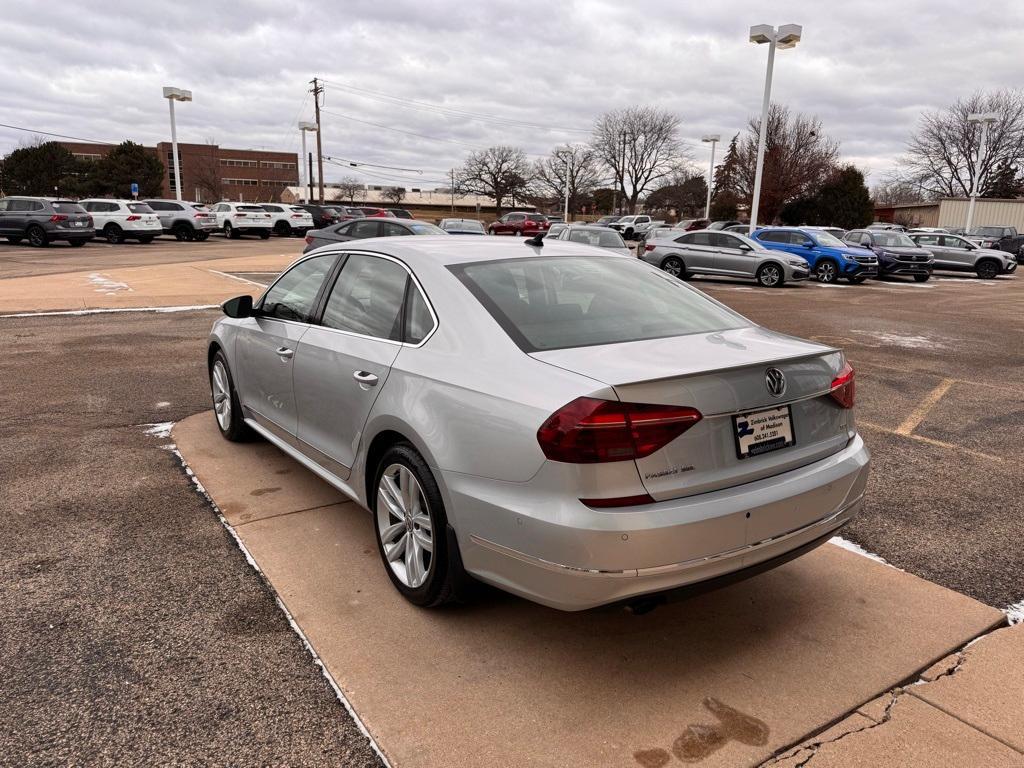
{"points": [[762, 33], [983, 117], [177, 94], [307, 126], [711, 137], [789, 35]]}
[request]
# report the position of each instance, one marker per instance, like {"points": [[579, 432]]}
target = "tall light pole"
{"points": [[712, 139], [986, 119], [305, 128], [567, 155], [786, 36], [172, 95]]}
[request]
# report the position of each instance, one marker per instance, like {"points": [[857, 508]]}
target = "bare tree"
{"points": [[895, 190], [497, 172], [685, 192], [206, 174], [798, 158], [944, 150], [641, 146], [393, 194], [583, 168], [349, 186]]}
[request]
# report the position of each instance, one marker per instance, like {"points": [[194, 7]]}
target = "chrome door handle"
{"points": [[285, 353], [364, 377]]}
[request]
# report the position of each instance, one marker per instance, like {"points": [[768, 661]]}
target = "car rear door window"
{"points": [[418, 320], [363, 229], [953, 242], [293, 296], [700, 238], [720, 240], [927, 240], [394, 230], [367, 298]]}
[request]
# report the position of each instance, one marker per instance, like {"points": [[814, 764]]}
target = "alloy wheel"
{"points": [[826, 272], [404, 526], [673, 266], [770, 276], [221, 395]]}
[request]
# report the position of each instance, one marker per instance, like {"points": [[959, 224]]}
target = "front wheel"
{"points": [[421, 558], [770, 276], [987, 269], [229, 231], [921, 278], [629, 234], [37, 236], [828, 273], [226, 408], [517, 233]]}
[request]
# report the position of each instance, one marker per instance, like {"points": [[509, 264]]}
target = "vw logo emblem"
{"points": [[775, 380]]}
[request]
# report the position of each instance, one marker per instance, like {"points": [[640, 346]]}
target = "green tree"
{"points": [[725, 206], [1004, 182], [41, 169], [125, 163], [843, 201]]}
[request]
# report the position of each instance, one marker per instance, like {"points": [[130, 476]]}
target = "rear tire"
{"points": [[770, 276], [114, 234], [921, 278], [230, 232], [828, 272], [265, 235], [283, 229], [516, 233], [987, 269], [37, 237], [227, 411], [674, 266], [431, 572], [200, 236], [182, 232], [146, 239], [77, 243]]}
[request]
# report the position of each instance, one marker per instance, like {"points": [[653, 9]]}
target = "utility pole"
{"points": [[316, 91], [453, 192]]}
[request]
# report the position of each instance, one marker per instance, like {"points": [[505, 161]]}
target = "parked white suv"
{"points": [[184, 219], [120, 220], [236, 219], [629, 226], [289, 219]]}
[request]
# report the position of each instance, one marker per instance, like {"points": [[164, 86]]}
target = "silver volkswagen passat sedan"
{"points": [[726, 254], [573, 427]]}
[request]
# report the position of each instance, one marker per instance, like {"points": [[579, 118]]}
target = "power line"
{"points": [[57, 135], [387, 177], [449, 111], [355, 163], [400, 130]]}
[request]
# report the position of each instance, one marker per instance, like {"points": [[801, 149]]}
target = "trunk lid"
{"points": [[722, 375]]}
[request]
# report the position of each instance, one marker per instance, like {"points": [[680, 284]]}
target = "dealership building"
{"points": [[952, 212], [210, 172]]}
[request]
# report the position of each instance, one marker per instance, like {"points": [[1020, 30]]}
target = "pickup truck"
{"points": [[630, 226], [1001, 238]]}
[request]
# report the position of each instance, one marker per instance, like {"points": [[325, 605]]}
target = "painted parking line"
{"points": [[930, 441], [236, 277], [918, 414], [110, 311]]}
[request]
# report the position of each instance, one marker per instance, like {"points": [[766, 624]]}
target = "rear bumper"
{"points": [[601, 557], [68, 233]]}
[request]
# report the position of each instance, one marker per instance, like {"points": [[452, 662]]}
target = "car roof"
{"points": [[445, 249], [587, 228]]}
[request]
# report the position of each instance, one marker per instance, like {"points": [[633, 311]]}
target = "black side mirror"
{"points": [[238, 307]]}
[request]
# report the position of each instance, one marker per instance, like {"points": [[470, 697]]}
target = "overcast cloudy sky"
{"points": [[542, 71]]}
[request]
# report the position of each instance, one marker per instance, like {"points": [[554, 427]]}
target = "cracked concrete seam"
{"points": [[953, 663]]}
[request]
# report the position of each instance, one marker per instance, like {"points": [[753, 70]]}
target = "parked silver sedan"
{"points": [[727, 254], [589, 234], [574, 428]]}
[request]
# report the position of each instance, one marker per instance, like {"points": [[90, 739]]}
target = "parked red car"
{"points": [[372, 212], [519, 224]]}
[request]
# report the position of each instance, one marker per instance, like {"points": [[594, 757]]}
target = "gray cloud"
{"points": [[867, 69]]}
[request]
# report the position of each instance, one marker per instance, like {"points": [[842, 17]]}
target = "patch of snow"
{"points": [[162, 404], [850, 546], [902, 340], [160, 429], [1015, 613], [106, 285], [76, 312]]}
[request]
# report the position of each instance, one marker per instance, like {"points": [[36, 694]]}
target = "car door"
{"points": [[265, 344], [17, 215], [343, 361], [731, 257], [5, 218], [698, 252], [933, 244], [957, 253]]}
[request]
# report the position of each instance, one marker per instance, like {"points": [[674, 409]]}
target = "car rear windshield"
{"points": [[140, 208], [536, 217], [602, 238], [579, 301], [989, 231], [67, 206], [200, 207], [251, 208]]}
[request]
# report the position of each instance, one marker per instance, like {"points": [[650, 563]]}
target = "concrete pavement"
{"points": [[503, 682]]}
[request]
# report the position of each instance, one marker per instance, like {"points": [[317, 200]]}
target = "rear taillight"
{"points": [[200, 215], [590, 431], [648, 247], [58, 217], [843, 389], [309, 239], [240, 215], [296, 215], [133, 217]]}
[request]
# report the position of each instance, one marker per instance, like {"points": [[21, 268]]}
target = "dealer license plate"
{"points": [[760, 432]]}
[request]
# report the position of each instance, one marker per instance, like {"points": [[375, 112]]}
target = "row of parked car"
{"points": [[42, 220]]}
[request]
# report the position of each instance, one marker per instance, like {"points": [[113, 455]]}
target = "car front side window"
{"points": [[292, 297]]}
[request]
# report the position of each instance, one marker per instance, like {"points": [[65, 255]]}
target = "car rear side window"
{"points": [[139, 208], [293, 295], [573, 301], [367, 298], [361, 229], [418, 320], [67, 206]]}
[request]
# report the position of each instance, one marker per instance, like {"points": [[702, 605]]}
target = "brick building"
{"points": [[211, 173]]}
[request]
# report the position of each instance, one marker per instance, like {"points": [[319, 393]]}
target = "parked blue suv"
{"points": [[829, 257]]}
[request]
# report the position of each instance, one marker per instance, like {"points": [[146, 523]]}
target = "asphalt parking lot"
{"points": [[135, 630]]}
